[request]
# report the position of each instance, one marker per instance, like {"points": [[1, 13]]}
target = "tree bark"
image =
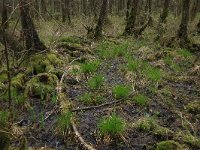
{"points": [[101, 20], [43, 8], [4, 22], [131, 20], [29, 32], [183, 28], [198, 27], [194, 9], [164, 14]]}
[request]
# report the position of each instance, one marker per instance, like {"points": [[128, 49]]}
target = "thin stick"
{"points": [[99, 106], [95, 107]]}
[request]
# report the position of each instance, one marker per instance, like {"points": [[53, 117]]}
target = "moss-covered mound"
{"points": [[42, 85], [194, 107], [39, 78], [169, 145], [41, 63]]}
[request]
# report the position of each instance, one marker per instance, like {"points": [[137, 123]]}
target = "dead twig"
{"points": [[96, 107]]}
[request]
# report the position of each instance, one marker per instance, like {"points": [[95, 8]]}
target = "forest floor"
{"points": [[155, 91]]}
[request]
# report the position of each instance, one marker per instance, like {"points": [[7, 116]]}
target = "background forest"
{"points": [[99, 74]]}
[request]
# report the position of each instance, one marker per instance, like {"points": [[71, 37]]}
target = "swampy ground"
{"points": [[118, 93]]}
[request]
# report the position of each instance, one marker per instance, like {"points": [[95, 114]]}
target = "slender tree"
{"points": [[194, 9], [30, 34], [183, 28], [131, 18], [37, 8], [101, 20], [198, 27], [43, 8], [4, 41], [4, 22], [63, 7], [163, 17], [164, 14]]}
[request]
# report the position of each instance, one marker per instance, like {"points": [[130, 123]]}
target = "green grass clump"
{"points": [[141, 99], [112, 126], [133, 65], [105, 50], [64, 121], [120, 50], [18, 96], [169, 145], [90, 99], [86, 98], [96, 82], [4, 117], [152, 73], [184, 53], [90, 67], [120, 91]]}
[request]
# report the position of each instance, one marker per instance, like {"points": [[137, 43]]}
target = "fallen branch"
{"points": [[78, 135], [95, 107], [99, 106]]}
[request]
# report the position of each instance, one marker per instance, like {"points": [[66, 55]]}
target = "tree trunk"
{"points": [[131, 20], [163, 17], [150, 12], [37, 8], [183, 28], [194, 9], [101, 20], [64, 12], [29, 32], [43, 8], [164, 14], [198, 27], [4, 23]]}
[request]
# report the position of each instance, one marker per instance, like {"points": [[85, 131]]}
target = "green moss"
{"points": [[146, 124], [2, 87], [18, 81], [42, 63], [3, 77], [194, 107], [41, 85], [152, 126], [163, 132], [189, 139], [55, 60], [169, 145]]}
